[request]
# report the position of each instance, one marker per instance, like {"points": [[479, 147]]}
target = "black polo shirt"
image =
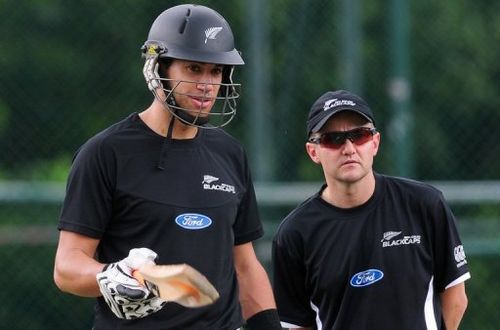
{"points": [[381, 265], [193, 211]]}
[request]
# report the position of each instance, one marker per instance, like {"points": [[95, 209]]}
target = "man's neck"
{"points": [[157, 118], [349, 194]]}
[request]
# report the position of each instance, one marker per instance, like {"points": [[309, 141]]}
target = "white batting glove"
{"points": [[150, 72], [125, 296]]}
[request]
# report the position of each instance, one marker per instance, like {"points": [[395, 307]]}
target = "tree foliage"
{"points": [[69, 69]]}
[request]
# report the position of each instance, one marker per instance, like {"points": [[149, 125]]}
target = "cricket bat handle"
{"points": [[137, 275]]}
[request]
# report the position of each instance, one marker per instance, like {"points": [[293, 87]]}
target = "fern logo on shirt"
{"points": [[211, 182], [193, 221], [393, 238]]}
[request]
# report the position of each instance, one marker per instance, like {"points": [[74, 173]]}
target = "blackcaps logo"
{"points": [[209, 179], [210, 183], [388, 235], [389, 239], [211, 33], [336, 102]]}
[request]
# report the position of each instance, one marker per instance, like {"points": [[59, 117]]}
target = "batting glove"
{"points": [[150, 72], [125, 296]]}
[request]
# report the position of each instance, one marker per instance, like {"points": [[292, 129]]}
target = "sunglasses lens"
{"points": [[358, 136], [333, 140]]}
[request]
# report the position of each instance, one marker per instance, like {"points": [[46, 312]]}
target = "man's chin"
{"points": [[351, 177]]}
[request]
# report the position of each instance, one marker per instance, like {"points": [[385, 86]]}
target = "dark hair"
{"points": [[164, 62]]}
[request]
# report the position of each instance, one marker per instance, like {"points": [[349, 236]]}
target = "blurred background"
{"points": [[429, 69]]}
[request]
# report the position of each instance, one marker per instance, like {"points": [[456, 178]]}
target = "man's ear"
{"points": [[312, 151], [376, 143]]}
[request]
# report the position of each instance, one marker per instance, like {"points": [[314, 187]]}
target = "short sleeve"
{"points": [[87, 204], [289, 278], [450, 262], [247, 226]]}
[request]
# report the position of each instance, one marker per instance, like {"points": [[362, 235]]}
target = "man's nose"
{"points": [[348, 147], [205, 86]]}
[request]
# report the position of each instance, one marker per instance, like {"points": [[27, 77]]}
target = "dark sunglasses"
{"points": [[334, 140]]}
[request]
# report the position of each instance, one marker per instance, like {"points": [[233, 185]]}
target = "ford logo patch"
{"points": [[193, 221], [366, 277]]}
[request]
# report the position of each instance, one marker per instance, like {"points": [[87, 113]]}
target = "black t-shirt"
{"points": [[193, 211], [380, 265]]}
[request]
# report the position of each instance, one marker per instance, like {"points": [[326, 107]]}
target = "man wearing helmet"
{"points": [[168, 186]]}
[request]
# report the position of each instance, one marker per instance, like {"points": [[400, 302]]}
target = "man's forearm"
{"points": [[453, 304], [255, 292]]}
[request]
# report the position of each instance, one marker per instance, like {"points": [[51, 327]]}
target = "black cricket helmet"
{"points": [[199, 34]]}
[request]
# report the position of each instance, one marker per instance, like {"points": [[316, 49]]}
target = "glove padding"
{"points": [[125, 296]]}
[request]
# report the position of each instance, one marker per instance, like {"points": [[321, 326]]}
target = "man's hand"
{"points": [[125, 296]]}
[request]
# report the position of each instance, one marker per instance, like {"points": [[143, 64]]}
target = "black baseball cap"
{"points": [[333, 102]]}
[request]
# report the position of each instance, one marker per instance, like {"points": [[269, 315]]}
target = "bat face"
{"points": [[177, 283]]}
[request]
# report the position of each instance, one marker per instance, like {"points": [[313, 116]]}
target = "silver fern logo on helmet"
{"points": [[211, 33]]}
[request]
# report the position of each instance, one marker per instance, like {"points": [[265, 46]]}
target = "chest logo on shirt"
{"points": [[366, 277], [211, 183], [193, 221], [393, 238]]}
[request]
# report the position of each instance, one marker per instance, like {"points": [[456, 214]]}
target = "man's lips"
{"points": [[349, 162], [201, 102]]}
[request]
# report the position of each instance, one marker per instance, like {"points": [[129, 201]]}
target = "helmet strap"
{"points": [[164, 147], [190, 119], [184, 115]]}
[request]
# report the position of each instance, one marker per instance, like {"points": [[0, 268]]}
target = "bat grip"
{"points": [[137, 275], [147, 284]]}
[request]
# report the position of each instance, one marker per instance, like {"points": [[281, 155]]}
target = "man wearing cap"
{"points": [[367, 251]]}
